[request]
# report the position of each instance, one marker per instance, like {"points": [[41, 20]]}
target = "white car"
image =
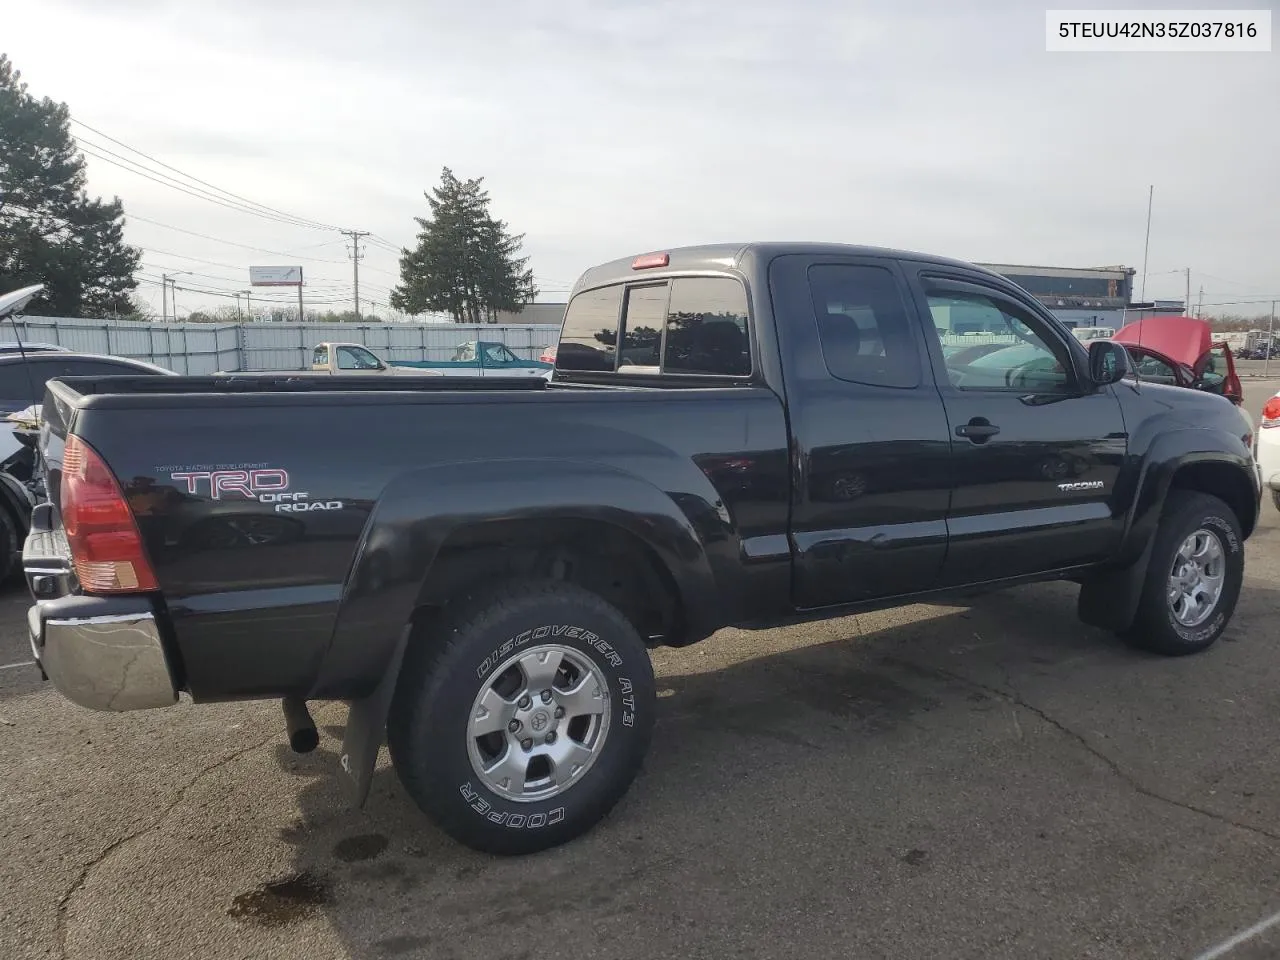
{"points": [[1268, 448]]}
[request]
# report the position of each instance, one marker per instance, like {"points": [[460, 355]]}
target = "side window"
{"points": [[466, 353], [94, 368], [1214, 374], [1024, 356], [707, 328], [320, 357], [1153, 369], [863, 326], [496, 354], [589, 336], [15, 390], [642, 329], [353, 358]]}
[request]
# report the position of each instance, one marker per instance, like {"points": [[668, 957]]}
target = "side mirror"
{"points": [[1109, 362]]}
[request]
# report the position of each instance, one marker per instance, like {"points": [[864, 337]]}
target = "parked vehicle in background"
{"points": [[481, 358], [13, 346], [734, 435], [22, 387], [354, 359], [1085, 334], [1268, 448], [470, 359], [1182, 352], [548, 355]]}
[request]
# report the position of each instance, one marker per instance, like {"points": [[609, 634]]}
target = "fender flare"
{"points": [[372, 632], [1109, 599], [419, 510], [1170, 452]]}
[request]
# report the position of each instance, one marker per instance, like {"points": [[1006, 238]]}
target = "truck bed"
{"points": [[294, 517]]}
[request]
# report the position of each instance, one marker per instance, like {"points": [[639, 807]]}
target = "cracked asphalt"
{"points": [[987, 779]]}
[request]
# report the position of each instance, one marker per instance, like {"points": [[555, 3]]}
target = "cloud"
{"points": [[605, 127]]}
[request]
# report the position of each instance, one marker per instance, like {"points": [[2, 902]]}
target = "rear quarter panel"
{"points": [[254, 588]]}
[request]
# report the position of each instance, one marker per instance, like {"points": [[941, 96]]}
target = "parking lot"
{"points": [[984, 779]]}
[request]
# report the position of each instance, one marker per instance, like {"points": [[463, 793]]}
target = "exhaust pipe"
{"points": [[299, 725]]}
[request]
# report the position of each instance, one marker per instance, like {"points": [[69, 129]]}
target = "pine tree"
{"points": [[51, 231], [466, 264]]}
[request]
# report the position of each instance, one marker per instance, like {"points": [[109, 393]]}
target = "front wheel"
{"points": [[1194, 578], [524, 718]]}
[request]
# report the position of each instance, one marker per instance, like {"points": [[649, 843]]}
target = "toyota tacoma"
{"points": [[740, 435]]}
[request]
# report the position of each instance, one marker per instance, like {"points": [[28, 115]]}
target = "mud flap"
{"points": [[366, 730], [1110, 598]]}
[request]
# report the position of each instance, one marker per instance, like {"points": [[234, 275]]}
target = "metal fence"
{"points": [[201, 348]]}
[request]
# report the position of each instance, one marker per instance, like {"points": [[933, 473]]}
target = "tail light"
{"points": [[106, 547], [650, 260], [1271, 413]]}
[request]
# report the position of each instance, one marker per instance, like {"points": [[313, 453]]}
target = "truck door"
{"points": [[871, 447], [1036, 449]]}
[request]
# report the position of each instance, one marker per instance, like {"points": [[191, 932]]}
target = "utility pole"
{"points": [[1147, 245], [169, 281], [248, 304], [239, 312], [1271, 328], [1186, 304], [1200, 309], [356, 256]]}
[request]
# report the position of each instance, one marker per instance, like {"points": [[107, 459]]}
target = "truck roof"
{"points": [[734, 256]]}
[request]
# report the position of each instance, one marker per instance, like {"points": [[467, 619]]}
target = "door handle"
{"points": [[979, 430]]}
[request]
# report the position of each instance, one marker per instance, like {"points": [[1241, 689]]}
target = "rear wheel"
{"points": [[1194, 578], [524, 719]]}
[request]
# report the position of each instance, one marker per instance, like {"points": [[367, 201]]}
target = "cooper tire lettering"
{"points": [[480, 632]]}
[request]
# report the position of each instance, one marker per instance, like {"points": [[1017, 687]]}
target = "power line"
{"points": [[154, 176], [230, 293], [313, 223], [1261, 298], [231, 243]]}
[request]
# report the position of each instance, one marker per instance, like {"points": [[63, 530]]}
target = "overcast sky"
{"points": [[607, 128]]}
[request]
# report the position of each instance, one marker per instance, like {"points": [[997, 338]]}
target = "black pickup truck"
{"points": [[734, 435]]}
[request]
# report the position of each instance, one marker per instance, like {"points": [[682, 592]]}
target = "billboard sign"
{"points": [[275, 276]]}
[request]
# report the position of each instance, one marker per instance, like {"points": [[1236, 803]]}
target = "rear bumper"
{"points": [[104, 653]]}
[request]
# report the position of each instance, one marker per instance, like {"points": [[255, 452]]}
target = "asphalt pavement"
{"points": [[980, 780]]}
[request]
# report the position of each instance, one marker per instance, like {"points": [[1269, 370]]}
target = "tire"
{"points": [[1275, 498], [10, 545], [1157, 628], [438, 757]]}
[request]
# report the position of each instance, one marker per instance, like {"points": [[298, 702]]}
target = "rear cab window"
{"points": [[681, 326]]}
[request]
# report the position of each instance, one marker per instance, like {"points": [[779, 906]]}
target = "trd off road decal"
{"points": [[264, 484]]}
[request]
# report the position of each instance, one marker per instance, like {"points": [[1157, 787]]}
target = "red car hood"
{"points": [[1183, 339]]}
